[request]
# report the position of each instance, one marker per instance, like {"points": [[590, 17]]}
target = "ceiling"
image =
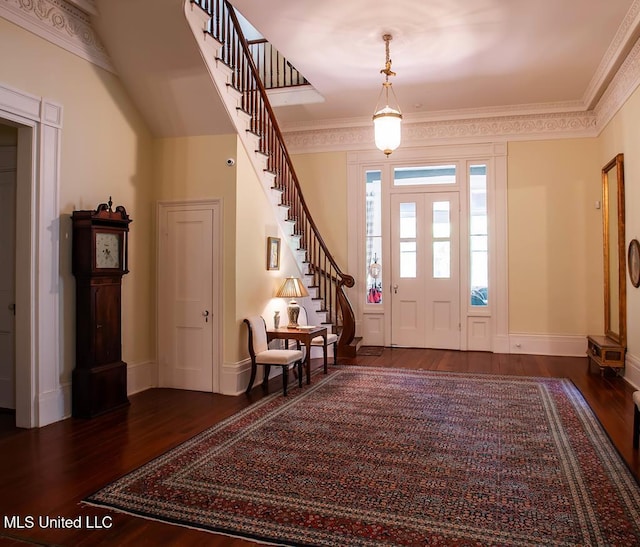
{"points": [[473, 56], [454, 59]]}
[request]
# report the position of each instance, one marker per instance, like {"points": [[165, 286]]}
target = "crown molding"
{"points": [[624, 83], [60, 23], [88, 6], [562, 125], [614, 54]]}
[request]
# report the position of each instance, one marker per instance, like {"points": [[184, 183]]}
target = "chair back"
{"points": [[257, 335]]}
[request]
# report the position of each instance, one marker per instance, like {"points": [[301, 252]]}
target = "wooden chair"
{"points": [[318, 341], [262, 355]]}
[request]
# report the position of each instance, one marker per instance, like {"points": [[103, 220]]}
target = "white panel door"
{"points": [[425, 264], [7, 288], [185, 303]]}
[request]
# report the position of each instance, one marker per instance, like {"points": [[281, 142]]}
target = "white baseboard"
{"points": [[632, 370], [54, 405], [501, 344], [234, 377], [141, 376], [548, 344]]}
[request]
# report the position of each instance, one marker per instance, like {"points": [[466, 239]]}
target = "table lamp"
{"points": [[292, 288]]}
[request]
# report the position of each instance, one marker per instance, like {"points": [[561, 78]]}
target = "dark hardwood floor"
{"points": [[47, 472]]}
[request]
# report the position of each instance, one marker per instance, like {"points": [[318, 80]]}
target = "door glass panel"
{"points": [[441, 219], [373, 231], [478, 236], [426, 175], [407, 220], [441, 229], [408, 259], [441, 259]]}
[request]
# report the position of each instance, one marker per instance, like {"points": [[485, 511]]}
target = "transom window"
{"points": [[426, 175]]}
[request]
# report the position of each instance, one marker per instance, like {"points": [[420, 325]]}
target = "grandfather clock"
{"points": [[99, 261]]}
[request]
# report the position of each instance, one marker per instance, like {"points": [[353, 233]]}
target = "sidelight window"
{"points": [[373, 231], [478, 236]]}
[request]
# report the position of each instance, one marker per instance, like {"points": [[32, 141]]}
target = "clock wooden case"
{"points": [[99, 260]]}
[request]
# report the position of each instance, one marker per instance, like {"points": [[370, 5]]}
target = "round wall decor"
{"points": [[634, 262]]}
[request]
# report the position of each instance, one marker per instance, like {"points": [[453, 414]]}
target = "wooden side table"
{"points": [[605, 353], [303, 335]]}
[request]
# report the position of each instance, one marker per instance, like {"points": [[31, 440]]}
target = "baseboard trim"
{"points": [[548, 344], [234, 377], [54, 405], [632, 370], [141, 376]]}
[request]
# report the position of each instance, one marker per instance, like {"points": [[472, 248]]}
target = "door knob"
{"points": [[395, 289], [206, 315]]}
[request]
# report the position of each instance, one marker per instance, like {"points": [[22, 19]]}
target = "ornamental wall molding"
{"points": [[60, 23], [606, 69], [624, 83], [471, 130]]}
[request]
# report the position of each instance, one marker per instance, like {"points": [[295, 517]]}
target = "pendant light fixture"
{"points": [[387, 120]]}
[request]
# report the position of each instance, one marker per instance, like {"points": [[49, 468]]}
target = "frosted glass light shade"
{"points": [[387, 129]]}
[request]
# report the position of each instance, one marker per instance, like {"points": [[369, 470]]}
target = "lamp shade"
{"points": [[292, 287], [387, 131]]}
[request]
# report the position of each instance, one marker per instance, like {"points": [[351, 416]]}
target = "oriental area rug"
{"points": [[371, 456]]}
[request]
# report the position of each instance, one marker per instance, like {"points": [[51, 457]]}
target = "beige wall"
{"points": [[323, 179], [105, 151], [622, 135], [555, 240]]}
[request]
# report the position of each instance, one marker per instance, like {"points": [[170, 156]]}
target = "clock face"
{"points": [[107, 250]]}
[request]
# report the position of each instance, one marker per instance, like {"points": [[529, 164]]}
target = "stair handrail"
{"points": [[347, 333], [272, 78]]}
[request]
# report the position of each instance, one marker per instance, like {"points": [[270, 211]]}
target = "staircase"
{"points": [[228, 58]]}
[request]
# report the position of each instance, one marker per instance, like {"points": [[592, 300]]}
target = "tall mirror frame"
{"points": [[615, 290]]}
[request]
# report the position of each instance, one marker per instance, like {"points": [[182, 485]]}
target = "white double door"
{"points": [[425, 270]]}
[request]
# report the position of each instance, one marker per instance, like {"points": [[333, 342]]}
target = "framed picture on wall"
{"points": [[273, 253]]}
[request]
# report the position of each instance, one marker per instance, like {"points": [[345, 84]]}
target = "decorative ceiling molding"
{"points": [[624, 83], [88, 6], [482, 129], [606, 70], [60, 23]]}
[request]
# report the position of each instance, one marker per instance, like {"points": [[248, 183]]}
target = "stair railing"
{"points": [[325, 274], [274, 69]]}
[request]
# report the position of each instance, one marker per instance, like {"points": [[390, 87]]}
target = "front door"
{"points": [[186, 314], [425, 277]]}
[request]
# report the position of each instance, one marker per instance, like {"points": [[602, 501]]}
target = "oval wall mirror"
{"points": [[615, 293]]}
